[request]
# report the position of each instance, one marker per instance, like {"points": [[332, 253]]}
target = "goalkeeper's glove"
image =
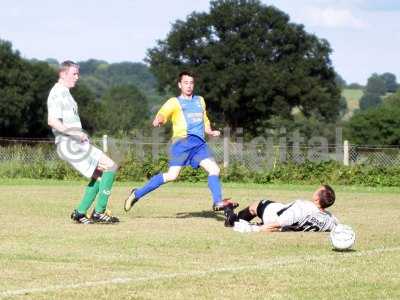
{"points": [[244, 226]]}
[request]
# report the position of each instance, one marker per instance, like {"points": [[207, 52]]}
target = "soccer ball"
{"points": [[342, 237]]}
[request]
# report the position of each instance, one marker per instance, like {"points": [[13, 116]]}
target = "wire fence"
{"points": [[251, 155]]}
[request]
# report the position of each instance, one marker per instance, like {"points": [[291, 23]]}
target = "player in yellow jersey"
{"points": [[190, 123]]}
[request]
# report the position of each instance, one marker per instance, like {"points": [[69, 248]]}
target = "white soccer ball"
{"points": [[342, 237]]}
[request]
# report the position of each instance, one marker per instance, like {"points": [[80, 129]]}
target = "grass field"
{"points": [[171, 246]]}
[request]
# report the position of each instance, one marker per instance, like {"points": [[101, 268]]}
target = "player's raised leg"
{"points": [[155, 182], [214, 185]]}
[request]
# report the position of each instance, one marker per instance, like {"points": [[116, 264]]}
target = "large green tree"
{"points": [[23, 93], [376, 85], [378, 125], [123, 109], [89, 108], [390, 82], [373, 92], [251, 64], [370, 100], [24, 87], [340, 82], [43, 78]]}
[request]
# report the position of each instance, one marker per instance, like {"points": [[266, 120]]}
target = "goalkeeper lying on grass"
{"points": [[299, 215]]}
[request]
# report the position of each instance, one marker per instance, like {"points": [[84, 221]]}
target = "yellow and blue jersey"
{"points": [[188, 116]]}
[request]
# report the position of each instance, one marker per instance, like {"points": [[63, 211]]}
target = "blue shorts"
{"points": [[189, 151]]}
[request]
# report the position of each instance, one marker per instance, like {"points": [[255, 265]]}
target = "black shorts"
{"points": [[261, 207]]}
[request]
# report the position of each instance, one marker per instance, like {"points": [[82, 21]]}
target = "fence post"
{"points": [[346, 150], [282, 146], [105, 143], [226, 146], [338, 145], [239, 144]]}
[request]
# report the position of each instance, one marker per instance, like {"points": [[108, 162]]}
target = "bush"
{"points": [[134, 169]]}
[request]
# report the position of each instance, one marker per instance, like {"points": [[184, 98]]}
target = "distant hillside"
{"points": [[100, 76], [353, 97], [118, 74]]}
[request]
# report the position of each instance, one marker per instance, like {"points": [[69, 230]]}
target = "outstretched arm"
{"points": [[271, 227], [170, 107]]}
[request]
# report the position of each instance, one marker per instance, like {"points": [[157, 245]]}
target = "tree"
{"points": [[378, 126], [14, 91], [390, 82], [123, 108], [343, 107], [374, 90], [24, 88], [375, 85], [369, 100], [251, 64], [109, 75], [23, 92], [100, 76], [340, 81], [355, 86], [43, 78], [89, 108], [393, 100], [91, 66]]}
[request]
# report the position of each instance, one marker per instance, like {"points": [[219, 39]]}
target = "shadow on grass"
{"points": [[187, 215], [344, 250], [201, 214]]}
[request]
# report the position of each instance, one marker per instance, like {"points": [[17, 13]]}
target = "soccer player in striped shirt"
{"points": [[299, 215], [190, 124]]}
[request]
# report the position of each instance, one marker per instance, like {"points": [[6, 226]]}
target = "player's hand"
{"points": [[215, 133], [244, 226], [76, 134], [158, 121], [83, 137]]}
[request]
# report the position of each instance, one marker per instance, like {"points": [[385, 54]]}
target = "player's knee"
{"points": [[253, 208], [214, 170], [113, 167], [106, 164], [170, 176]]}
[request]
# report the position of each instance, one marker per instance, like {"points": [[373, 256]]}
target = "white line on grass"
{"points": [[283, 262]]}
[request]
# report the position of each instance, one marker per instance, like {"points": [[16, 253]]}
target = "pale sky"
{"points": [[364, 34]]}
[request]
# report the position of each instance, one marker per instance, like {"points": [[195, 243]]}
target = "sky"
{"points": [[364, 34]]}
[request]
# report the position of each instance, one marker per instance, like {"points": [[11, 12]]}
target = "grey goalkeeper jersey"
{"points": [[61, 105], [302, 215]]}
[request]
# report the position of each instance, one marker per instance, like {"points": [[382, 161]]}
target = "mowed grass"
{"points": [[171, 246]]}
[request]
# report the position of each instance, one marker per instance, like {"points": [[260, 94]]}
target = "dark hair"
{"points": [[326, 196], [185, 73], [65, 65]]}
